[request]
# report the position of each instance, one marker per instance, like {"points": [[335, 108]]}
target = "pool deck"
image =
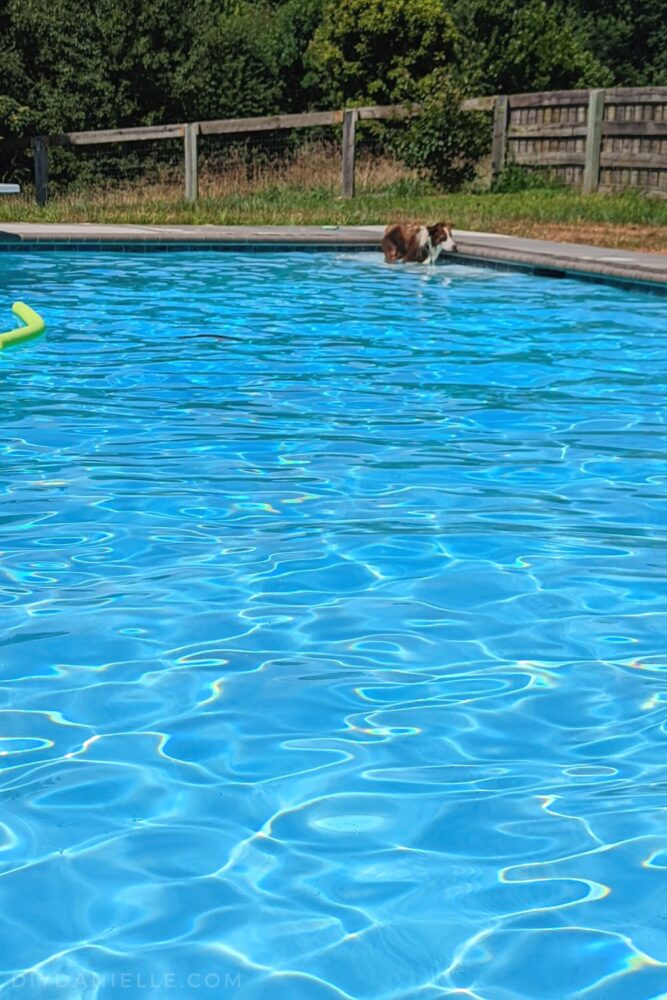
{"points": [[544, 256]]}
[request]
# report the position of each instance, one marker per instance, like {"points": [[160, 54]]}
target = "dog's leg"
{"points": [[391, 254], [434, 253], [393, 245], [423, 246], [424, 253]]}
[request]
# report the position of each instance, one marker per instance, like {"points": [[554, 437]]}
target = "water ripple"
{"points": [[332, 654]]}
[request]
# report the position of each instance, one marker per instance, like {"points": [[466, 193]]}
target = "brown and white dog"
{"points": [[418, 244]]}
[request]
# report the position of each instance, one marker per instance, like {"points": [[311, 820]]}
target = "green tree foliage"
{"points": [[88, 65], [77, 65], [629, 37], [296, 22], [368, 50], [232, 67], [526, 45]]}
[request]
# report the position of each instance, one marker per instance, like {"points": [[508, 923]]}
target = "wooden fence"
{"points": [[598, 140], [189, 132], [594, 139]]}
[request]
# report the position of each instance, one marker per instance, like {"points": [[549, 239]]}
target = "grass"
{"points": [[303, 191]]}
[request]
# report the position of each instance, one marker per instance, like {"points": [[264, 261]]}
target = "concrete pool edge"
{"points": [[487, 249]]}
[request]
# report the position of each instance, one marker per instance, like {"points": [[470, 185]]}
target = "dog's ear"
{"points": [[438, 231]]}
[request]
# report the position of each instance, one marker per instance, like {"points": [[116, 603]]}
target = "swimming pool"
{"points": [[332, 659]]}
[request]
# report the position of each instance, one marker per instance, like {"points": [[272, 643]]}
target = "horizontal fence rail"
{"points": [[228, 126], [598, 140]]}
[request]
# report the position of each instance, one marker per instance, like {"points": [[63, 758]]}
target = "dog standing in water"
{"points": [[417, 244]]}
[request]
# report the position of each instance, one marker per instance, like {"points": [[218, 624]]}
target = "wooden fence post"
{"points": [[593, 141], [501, 111], [350, 118], [190, 134], [40, 152]]}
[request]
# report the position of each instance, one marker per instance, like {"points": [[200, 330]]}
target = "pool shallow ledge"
{"points": [[545, 257]]}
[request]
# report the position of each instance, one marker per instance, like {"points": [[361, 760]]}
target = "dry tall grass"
{"points": [[242, 171], [232, 181], [315, 165]]}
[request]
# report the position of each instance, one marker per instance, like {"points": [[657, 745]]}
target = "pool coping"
{"points": [[544, 257]]}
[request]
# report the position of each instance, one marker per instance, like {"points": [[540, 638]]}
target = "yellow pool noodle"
{"points": [[34, 326]]}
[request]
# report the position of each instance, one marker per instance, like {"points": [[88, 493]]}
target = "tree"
{"points": [[366, 50], [295, 24], [526, 45], [628, 36], [95, 65]]}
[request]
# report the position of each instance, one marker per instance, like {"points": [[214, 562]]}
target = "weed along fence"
{"points": [[597, 140]]}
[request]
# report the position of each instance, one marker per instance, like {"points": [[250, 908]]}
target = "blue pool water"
{"points": [[333, 646]]}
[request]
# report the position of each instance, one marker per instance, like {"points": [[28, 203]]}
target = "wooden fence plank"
{"points": [[100, 136], [222, 126], [549, 98], [657, 129], [545, 131], [269, 123], [478, 104], [593, 141], [312, 118], [349, 130], [548, 158], [388, 111], [40, 152], [191, 161], [500, 122], [636, 95], [657, 161]]}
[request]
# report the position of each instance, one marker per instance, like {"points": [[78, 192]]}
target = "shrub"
{"points": [[443, 142], [232, 67], [366, 50], [527, 45]]}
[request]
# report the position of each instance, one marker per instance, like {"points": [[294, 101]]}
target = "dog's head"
{"points": [[441, 235]]}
